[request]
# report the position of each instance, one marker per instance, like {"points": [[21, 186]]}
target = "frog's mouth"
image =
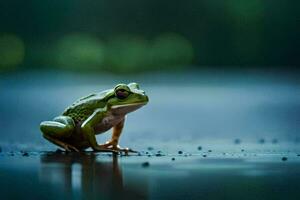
{"points": [[126, 108]]}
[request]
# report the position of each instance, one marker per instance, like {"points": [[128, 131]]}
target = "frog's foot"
{"points": [[104, 149], [113, 146]]}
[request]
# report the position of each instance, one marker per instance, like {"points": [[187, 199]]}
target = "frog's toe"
{"points": [[116, 148], [70, 148], [125, 150]]}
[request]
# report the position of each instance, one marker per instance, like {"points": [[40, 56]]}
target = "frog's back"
{"points": [[81, 109]]}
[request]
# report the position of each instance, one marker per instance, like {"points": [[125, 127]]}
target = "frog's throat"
{"points": [[128, 105], [126, 108]]}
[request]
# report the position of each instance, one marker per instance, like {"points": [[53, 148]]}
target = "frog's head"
{"points": [[127, 98]]}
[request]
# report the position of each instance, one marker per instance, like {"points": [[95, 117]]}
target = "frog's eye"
{"points": [[134, 85], [121, 93]]}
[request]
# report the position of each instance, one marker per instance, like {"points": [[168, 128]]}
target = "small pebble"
{"points": [[209, 150], [145, 164], [204, 156], [149, 155], [237, 141], [298, 154], [150, 148], [173, 159], [242, 150], [179, 152], [284, 158], [199, 148], [25, 154], [158, 154]]}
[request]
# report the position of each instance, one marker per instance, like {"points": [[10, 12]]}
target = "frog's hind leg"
{"points": [[61, 127], [63, 145]]}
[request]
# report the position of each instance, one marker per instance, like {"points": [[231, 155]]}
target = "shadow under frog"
{"points": [[83, 176]]}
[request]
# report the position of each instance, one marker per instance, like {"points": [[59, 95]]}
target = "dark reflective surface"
{"points": [[89, 176], [84, 176]]}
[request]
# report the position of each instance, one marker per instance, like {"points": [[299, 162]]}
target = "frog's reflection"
{"points": [[83, 175]]}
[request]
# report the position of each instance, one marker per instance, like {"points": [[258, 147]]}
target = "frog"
{"points": [[76, 128]]}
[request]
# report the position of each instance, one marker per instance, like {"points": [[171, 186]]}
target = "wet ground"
{"points": [[203, 136], [206, 174]]}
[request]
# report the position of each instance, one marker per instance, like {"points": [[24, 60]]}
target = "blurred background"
{"points": [[213, 69], [138, 36]]}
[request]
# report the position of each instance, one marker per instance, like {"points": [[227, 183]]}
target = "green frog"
{"points": [[76, 128]]}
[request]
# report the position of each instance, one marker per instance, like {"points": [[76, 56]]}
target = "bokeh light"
{"points": [[12, 52], [80, 52], [130, 54], [127, 54], [171, 50]]}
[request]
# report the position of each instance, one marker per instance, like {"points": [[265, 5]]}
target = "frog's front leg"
{"points": [[88, 131], [114, 142], [61, 127]]}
